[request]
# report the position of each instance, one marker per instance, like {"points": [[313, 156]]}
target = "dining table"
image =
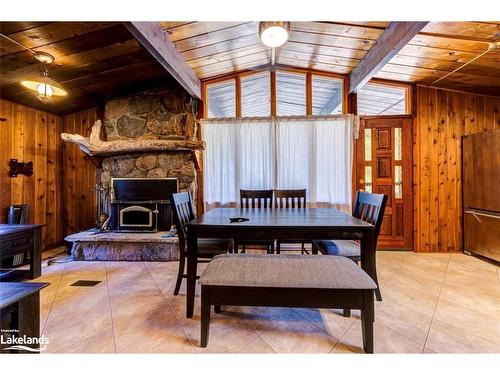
{"points": [[275, 224]]}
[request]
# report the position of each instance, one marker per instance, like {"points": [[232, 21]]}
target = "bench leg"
{"points": [[205, 318], [367, 319], [217, 309], [347, 313]]}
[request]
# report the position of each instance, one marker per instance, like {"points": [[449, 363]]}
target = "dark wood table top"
{"points": [[15, 228], [280, 218], [12, 292]]}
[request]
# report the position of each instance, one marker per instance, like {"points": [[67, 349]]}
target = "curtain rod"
{"points": [[278, 118]]}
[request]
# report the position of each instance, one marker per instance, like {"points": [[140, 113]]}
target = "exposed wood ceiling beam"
{"points": [[390, 42], [152, 36], [332, 103]]}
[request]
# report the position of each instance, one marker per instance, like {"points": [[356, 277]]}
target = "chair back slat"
{"points": [[256, 198], [182, 207], [290, 198], [370, 207]]}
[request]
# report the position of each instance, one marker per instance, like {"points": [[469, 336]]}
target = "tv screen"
{"points": [[144, 189]]}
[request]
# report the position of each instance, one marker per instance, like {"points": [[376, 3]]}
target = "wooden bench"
{"points": [[287, 281]]}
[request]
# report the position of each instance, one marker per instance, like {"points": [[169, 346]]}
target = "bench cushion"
{"points": [[285, 271]]}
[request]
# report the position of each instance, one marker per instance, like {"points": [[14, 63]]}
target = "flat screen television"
{"points": [[143, 189]]}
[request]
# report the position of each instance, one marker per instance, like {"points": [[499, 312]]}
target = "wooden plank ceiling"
{"points": [[98, 60], [93, 61], [216, 48]]}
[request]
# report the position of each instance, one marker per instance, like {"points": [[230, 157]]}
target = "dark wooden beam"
{"points": [[152, 36], [388, 44]]}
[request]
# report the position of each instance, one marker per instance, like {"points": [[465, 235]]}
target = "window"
{"points": [[282, 93], [326, 95], [283, 153], [377, 99], [256, 95], [221, 99], [290, 94]]}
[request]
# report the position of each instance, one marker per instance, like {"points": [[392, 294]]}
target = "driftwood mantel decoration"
{"points": [[94, 146]]}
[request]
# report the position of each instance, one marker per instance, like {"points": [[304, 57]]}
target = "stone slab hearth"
{"points": [[122, 246]]}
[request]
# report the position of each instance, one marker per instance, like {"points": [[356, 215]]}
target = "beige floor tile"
{"points": [[331, 321], [228, 334], [100, 343], [173, 346], [444, 338], [395, 293], [340, 348], [486, 300], [63, 333], [126, 308], [259, 319], [404, 320], [473, 321], [298, 336], [257, 347], [148, 318], [385, 340], [145, 332]]}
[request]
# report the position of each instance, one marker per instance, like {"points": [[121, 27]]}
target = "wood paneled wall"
{"points": [[27, 134], [80, 175], [442, 117]]}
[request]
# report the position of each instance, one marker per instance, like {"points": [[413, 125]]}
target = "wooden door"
{"points": [[384, 165]]}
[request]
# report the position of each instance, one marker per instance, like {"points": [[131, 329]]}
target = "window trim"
{"points": [[309, 73]]}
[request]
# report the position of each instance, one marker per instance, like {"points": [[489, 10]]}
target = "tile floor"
{"points": [[433, 303]]}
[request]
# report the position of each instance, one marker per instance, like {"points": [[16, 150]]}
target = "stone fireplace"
{"points": [[165, 113], [150, 134]]}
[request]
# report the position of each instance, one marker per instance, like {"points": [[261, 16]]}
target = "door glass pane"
{"points": [[398, 182], [368, 179], [256, 95], [377, 99], [221, 99], [326, 95], [397, 143], [290, 94], [368, 144]]}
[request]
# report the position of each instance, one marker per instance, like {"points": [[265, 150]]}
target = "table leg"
{"points": [[192, 251], [368, 253], [36, 255]]}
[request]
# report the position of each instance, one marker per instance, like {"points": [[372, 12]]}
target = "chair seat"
{"points": [[209, 247], [345, 248]]}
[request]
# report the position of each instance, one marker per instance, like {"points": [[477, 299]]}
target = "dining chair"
{"points": [[368, 207], [290, 199], [182, 207], [255, 199]]}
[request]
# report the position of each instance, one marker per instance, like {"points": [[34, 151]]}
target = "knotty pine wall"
{"points": [[58, 192], [79, 175], [27, 135], [442, 117]]}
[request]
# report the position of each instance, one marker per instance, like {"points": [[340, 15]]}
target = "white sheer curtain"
{"points": [[239, 155], [315, 153]]}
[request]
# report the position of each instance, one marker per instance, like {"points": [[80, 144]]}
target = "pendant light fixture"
{"points": [[274, 33], [45, 87]]}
